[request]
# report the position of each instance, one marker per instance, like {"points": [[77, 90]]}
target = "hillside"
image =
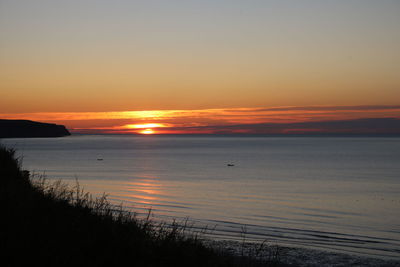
{"points": [[50, 224], [26, 128]]}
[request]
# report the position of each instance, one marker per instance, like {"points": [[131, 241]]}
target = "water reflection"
{"points": [[144, 191]]}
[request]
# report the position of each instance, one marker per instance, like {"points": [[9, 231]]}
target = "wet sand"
{"points": [[301, 256]]}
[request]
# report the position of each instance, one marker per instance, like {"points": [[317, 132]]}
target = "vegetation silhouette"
{"points": [[51, 224]]}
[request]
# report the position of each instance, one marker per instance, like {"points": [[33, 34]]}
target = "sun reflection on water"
{"points": [[144, 191]]}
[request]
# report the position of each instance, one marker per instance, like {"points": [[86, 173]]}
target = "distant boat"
{"points": [[230, 165], [99, 159]]}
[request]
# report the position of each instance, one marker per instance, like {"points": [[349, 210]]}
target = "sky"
{"points": [[100, 66]]}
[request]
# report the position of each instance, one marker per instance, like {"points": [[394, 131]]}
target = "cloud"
{"points": [[358, 126], [367, 119], [333, 108]]}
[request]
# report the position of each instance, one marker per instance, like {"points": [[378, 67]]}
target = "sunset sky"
{"points": [[201, 66]]}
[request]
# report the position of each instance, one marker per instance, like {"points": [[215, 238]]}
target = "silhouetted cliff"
{"points": [[25, 128]]}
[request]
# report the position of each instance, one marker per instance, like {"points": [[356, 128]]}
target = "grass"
{"points": [[51, 224]]}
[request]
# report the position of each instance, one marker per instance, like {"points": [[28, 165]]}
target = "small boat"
{"points": [[230, 165], [99, 159]]}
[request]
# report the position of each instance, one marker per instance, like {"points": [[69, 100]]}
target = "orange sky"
{"points": [[197, 63], [232, 120]]}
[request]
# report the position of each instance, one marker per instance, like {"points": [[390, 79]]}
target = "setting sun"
{"points": [[148, 127], [147, 131]]}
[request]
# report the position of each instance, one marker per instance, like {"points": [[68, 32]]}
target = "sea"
{"points": [[339, 194]]}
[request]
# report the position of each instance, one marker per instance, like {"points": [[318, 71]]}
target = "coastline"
{"points": [[291, 256], [31, 129], [118, 174], [52, 224]]}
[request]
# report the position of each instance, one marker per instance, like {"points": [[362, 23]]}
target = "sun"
{"points": [[147, 131], [144, 128]]}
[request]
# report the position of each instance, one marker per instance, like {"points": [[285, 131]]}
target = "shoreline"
{"points": [[52, 224], [288, 255], [294, 256]]}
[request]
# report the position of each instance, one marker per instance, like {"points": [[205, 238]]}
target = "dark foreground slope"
{"points": [[50, 225], [25, 128]]}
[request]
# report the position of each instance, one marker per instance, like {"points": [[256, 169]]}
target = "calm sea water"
{"points": [[339, 194]]}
